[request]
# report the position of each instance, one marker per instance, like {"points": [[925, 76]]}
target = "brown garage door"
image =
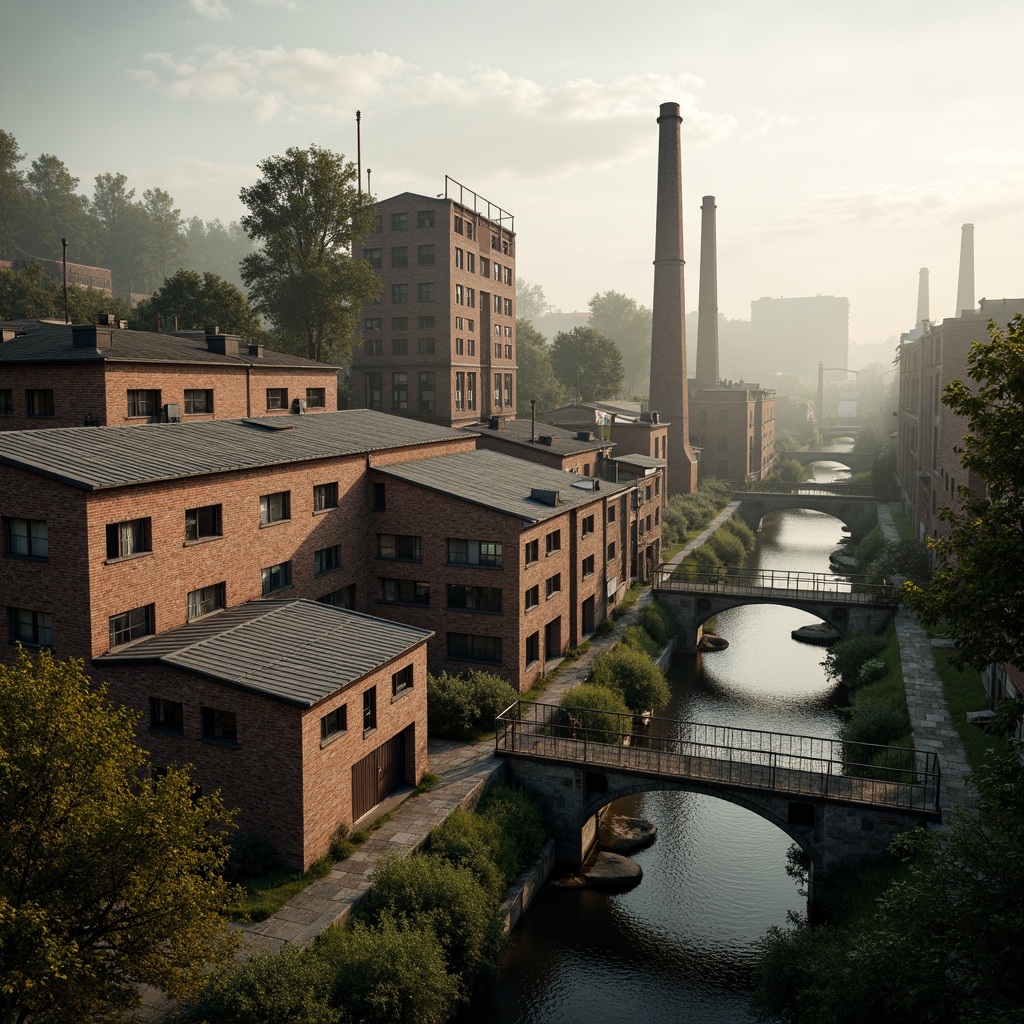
{"points": [[381, 772]]}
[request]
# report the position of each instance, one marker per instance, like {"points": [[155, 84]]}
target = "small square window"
{"points": [[334, 723], [167, 716], [325, 496], [399, 256], [316, 398], [554, 585], [198, 400], [131, 537], [399, 323], [27, 538], [206, 600], [425, 255], [275, 508], [202, 523], [425, 219], [553, 542], [401, 681], [399, 293], [532, 598], [220, 726], [277, 398], [131, 625], [40, 401], [276, 577], [399, 222], [326, 560], [399, 346], [143, 403], [426, 291], [29, 627], [532, 551], [373, 257]]}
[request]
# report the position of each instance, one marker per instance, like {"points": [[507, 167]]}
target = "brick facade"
{"points": [[734, 426]]}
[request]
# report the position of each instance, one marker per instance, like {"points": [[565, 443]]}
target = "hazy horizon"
{"points": [[844, 148]]}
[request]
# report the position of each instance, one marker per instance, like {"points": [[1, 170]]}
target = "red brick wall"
{"points": [[78, 391]]}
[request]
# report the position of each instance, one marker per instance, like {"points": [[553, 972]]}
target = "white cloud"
{"points": [[215, 10]]}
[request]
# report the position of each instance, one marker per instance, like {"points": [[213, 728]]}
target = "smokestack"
{"points": [[668, 329], [965, 283], [922, 298], [707, 316]]}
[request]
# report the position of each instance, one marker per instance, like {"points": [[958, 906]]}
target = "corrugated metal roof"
{"points": [[51, 343], [299, 652], [563, 442], [95, 458], [647, 461], [502, 482]]}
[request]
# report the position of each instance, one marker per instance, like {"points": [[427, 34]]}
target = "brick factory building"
{"points": [[56, 375], [733, 427], [134, 547], [440, 345]]}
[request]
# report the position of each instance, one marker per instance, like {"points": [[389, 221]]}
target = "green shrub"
{"points": [[471, 841], [392, 974], [250, 858], [728, 547], [845, 658], [739, 528], [428, 892], [460, 707], [638, 638], [705, 558], [901, 558], [591, 710], [521, 820], [633, 674], [871, 671], [605, 628], [266, 989], [874, 723], [868, 546], [658, 623]]}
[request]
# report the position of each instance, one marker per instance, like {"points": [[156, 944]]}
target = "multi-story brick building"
{"points": [[440, 345], [150, 550], [55, 375], [733, 425]]}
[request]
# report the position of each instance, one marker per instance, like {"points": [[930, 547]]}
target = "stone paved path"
{"points": [[932, 725]]}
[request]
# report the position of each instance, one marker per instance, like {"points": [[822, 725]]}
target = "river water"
{"points": [[681, 947]]}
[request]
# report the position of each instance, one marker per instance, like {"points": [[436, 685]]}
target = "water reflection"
{"points": [[682, 945]]}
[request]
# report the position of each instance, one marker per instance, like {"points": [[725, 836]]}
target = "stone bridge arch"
{"points": [[836, 837], [850, 511], [855, 462]]}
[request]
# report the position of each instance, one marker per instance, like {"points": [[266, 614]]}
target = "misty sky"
{"points": [[845, 143]]}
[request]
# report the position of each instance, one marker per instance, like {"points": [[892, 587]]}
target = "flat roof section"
{"points": [[563, 442], [299, 652]]}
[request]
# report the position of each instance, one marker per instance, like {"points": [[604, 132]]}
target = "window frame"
{"points": [[40, 632], [32, 540], [325, 497], [216, 515], [277, 399], [142, 625], [207, 601], [192, 407], [158, 718], [129, 538], [316, 398], [39, 403], [369, 711], [275, 507], [327, 560], [333, 724], [553, 542], [140, 399], [275, 578], [402, 682], [219, 726]]}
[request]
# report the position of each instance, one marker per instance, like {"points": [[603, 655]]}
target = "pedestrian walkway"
{"points": [[931, 723]]}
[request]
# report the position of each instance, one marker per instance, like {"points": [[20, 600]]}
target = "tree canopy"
{"points": [[536, 377], [587, 364], [197, 301], [530, 301], [975, 589], [110, 874], [628, 324], [309, 217], [30, 294]]}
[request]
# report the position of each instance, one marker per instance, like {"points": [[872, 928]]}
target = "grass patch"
{"points": [[267, 895], [626, 604], [963, 692], [902, 523]]}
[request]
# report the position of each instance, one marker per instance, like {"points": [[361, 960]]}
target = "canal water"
{"points": [[682, 946]]}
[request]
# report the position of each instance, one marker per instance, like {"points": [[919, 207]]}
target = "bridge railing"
{"points": [[896, 777], [846, 587]]}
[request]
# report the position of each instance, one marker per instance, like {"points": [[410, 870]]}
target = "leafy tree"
{"points": [[463, 706], [592, 710], [198, 301], [536, 378], [29, 293], [628, 324], [218, 249], [167, 248], [975, 588], [530, 301], [11, 193], [122, 242], [308, 214], [587, 363], [57, 210], [107, 879]]}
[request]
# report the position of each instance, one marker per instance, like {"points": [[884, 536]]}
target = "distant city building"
{"points": [[80, 275], [733, 426], [440, 345], [55, 375], [794, 335], [558, 322]]}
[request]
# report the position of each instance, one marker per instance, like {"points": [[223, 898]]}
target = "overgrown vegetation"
{"points": [[687, 514], [727, 546], [463, 707], [429, 924]]}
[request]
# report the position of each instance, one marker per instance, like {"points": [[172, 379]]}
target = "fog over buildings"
{"points": [[839, 168]]}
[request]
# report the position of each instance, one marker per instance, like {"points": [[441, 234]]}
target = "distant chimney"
{"points": [[965, 283], [922, 298], [707, 316]]}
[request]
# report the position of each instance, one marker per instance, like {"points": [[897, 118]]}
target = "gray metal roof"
{"points": [[95, 458], [647, 461], [299, 652], [51, 343], [563, 442], [502, 482]]}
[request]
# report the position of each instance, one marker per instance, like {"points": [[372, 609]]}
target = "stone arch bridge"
{"points": [[858, 462], [848, 509], [841, 804]]}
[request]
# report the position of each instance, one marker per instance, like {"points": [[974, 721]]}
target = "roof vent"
{"points": [[545, 497], [494, 423], [655, 417], [222, 344], [584, 435], [546, 439], [299, 406], [109, 320], [256, 350], [91, 336]]}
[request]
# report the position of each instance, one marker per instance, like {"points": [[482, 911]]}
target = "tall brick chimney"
{"points": [[965, 283], [668, 330], [922, 298], [707, 316]]}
